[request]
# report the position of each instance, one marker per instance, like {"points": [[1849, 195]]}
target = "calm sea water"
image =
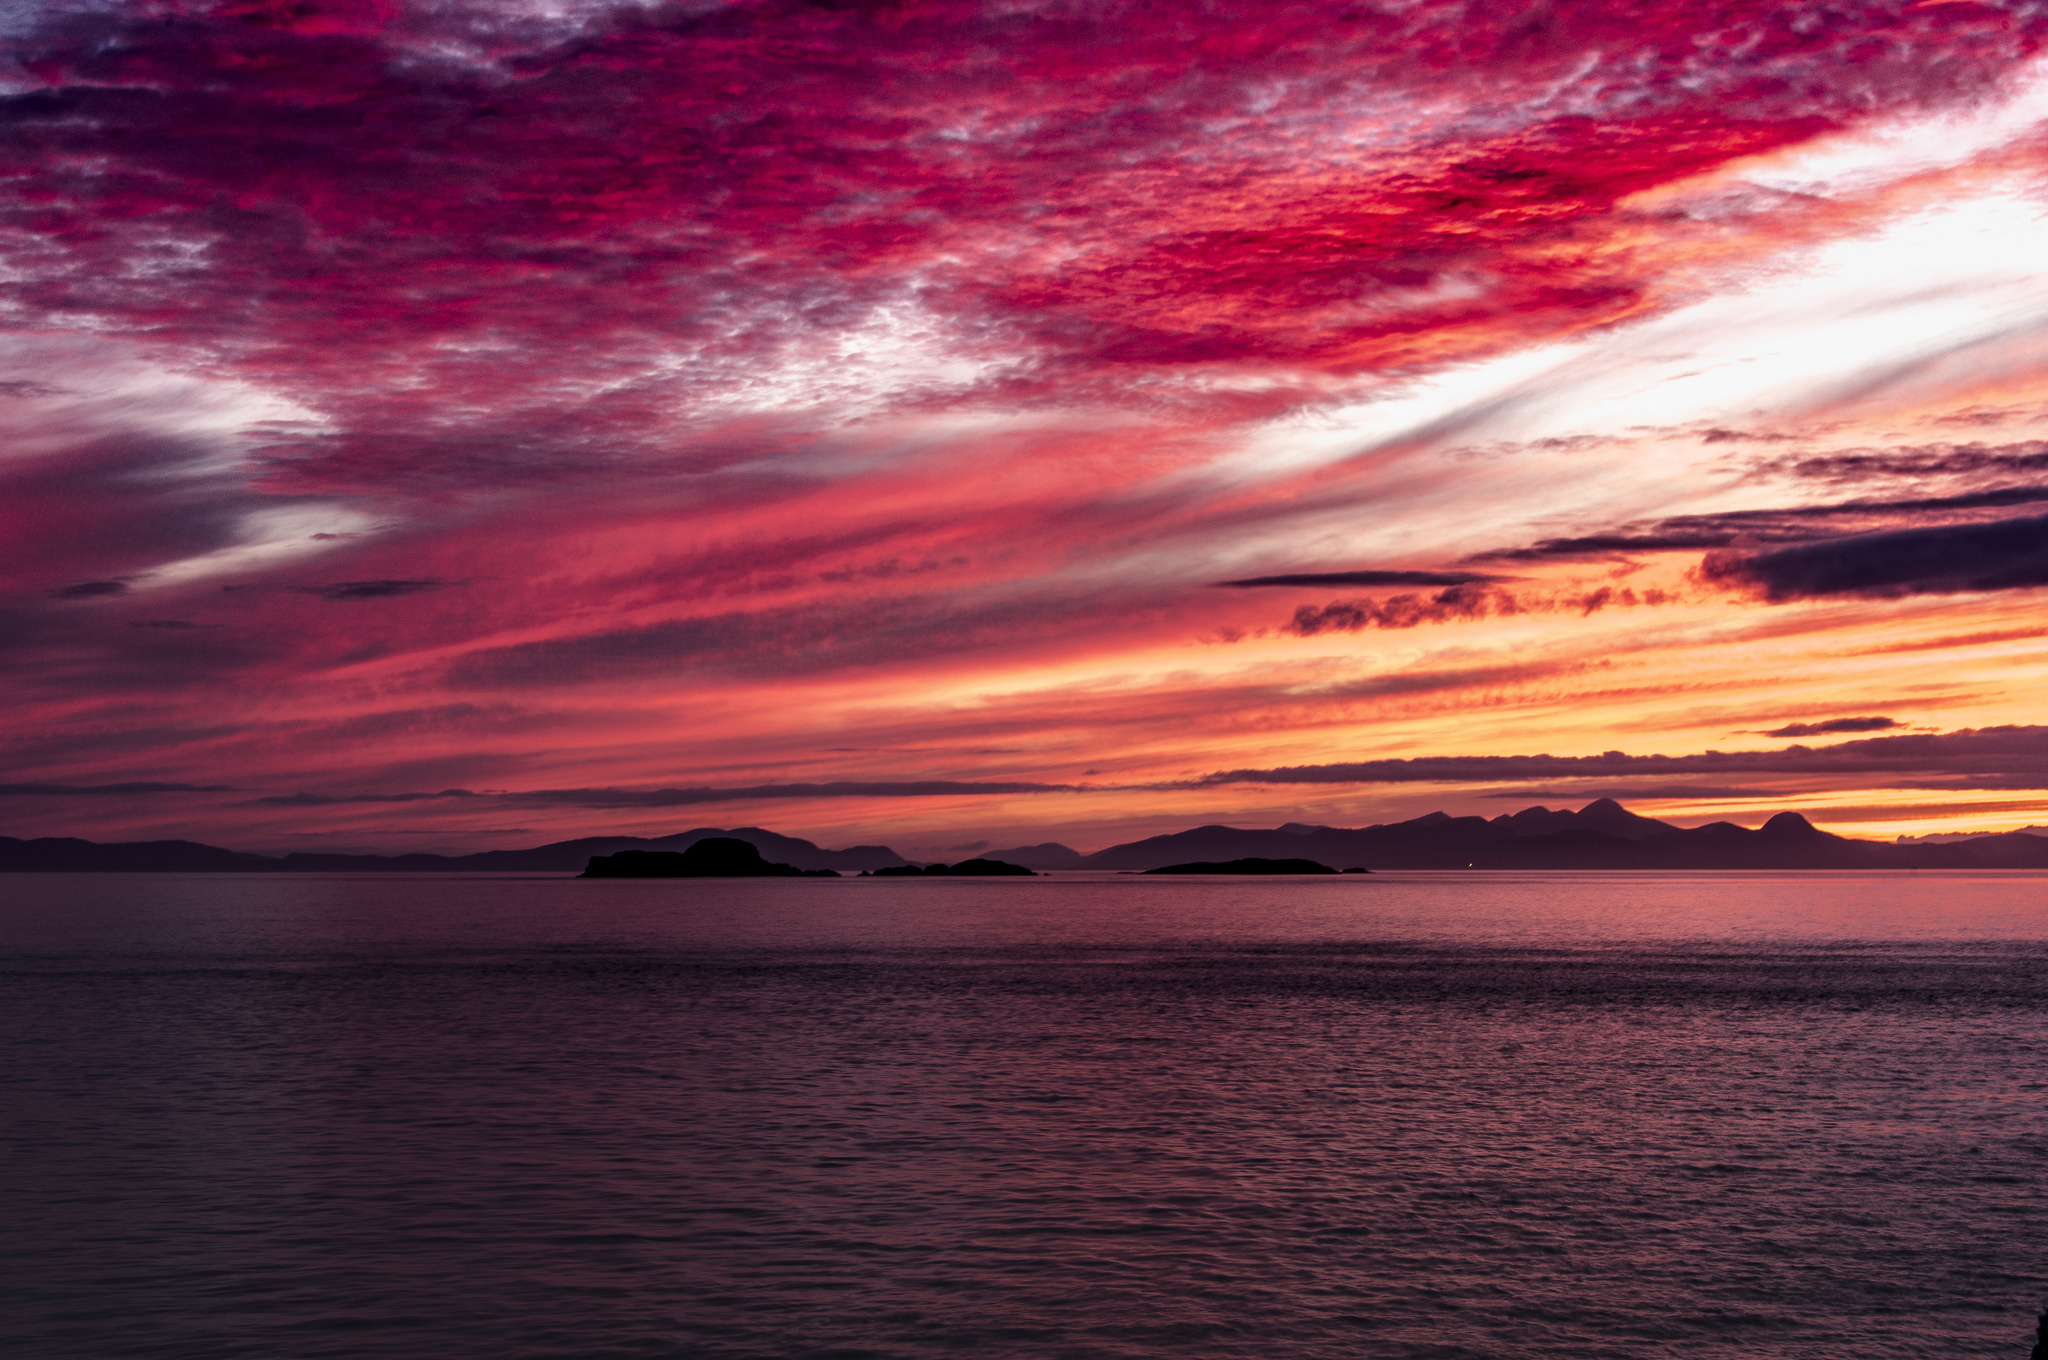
{"points": [[1440, 1115]]}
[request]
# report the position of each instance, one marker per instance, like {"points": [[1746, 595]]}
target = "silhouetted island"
{"points": [[1247, 866], [713, 857], [966, 868]]}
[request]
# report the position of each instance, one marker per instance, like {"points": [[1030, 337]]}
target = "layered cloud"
{"points": [[859, 406]]}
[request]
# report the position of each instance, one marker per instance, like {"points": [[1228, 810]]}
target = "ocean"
{"points": [[1089, 1115]]}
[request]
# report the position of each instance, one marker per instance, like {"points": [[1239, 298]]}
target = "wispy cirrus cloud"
{"points": [[1363, 578], [676, 797], [107, 790], [1916, 461]]}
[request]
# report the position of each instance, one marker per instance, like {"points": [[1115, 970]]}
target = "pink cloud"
{"points": [[683, 351]]}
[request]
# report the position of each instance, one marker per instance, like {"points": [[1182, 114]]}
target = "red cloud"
{"points": [[454, 253], [622, 335]]}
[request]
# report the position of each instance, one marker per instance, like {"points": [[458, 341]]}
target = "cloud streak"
{"points": [[1832, 727], [677, 797], [106, 790], [1363, 578], [2004, 754], [1042, 404], [1461, 603]]}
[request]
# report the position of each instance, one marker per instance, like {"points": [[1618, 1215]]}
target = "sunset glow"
{"points": [[462, 425]]}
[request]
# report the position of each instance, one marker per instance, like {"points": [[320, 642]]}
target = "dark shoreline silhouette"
{"points": [[1246, 866], [712, 857], [1601, 835], [966, 868]]}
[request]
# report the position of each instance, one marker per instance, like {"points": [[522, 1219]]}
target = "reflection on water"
{"points": [[1403, 1116]]}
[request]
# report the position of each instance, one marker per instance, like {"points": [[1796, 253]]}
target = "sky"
{"points": [[453, 426]]}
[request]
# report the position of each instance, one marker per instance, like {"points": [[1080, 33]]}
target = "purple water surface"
{"points": [[1426, 1115]]}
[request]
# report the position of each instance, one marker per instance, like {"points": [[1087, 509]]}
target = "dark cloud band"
{"points": [[1771, 525], [1832, 727], [1992, 753], [373, 590], [1950, 559]]}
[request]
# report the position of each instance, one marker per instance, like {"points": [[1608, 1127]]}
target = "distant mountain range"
{"points": [[1951, 837], [1601, 835]]}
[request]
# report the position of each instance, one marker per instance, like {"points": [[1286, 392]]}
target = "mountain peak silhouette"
{"points": [[1791, 824]]}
